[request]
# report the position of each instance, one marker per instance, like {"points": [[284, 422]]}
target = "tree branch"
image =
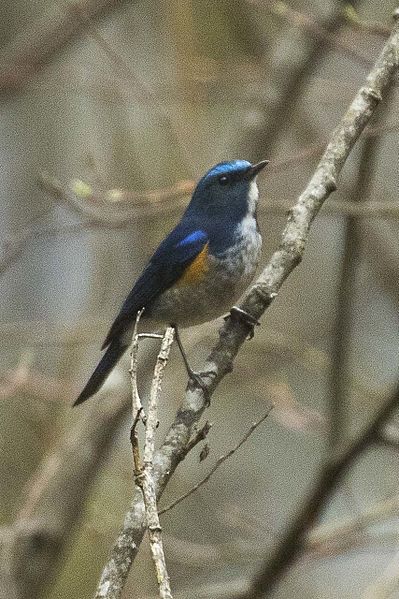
{"points": [[148, 486]]}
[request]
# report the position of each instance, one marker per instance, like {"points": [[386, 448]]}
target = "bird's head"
{"points": [[227, 186]]}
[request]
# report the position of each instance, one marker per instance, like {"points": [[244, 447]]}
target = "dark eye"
{"points": [[223, 180]]}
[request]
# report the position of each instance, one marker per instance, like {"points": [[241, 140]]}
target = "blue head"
{"points": [[228, 189]]}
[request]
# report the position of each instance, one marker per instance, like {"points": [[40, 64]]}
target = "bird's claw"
{"points": [[246, 318], [197, 381]]}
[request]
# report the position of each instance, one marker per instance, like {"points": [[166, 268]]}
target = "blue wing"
{"points": [[166, 266]]}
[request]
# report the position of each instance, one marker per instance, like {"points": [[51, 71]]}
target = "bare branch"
{"points": [[103, 207], [147, 476]]}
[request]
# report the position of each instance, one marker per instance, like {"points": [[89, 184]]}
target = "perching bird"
{"points": [[200, 269]]}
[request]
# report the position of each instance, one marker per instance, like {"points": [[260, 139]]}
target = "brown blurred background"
{"points": [[144, 96]]}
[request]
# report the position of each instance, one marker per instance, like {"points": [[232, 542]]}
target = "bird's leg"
{"points": [[193, 376], [246, 318]]}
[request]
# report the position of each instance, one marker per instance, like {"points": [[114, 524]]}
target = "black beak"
{"points": [[255, 169]]}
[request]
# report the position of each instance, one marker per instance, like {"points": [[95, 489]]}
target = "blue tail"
{"points": [[104, 367]]}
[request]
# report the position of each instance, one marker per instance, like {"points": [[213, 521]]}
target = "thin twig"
{"points": [[137, 407], [146, 479], [136, 401], [102, 206], [218, 463], [199, 436], [17, 244]]}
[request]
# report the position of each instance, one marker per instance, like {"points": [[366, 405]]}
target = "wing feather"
{"points": [[166, 266]]}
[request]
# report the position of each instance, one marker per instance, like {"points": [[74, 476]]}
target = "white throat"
{"points": [[253, 197]]}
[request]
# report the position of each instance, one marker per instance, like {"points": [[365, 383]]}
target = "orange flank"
{"points": [[196, 270]]}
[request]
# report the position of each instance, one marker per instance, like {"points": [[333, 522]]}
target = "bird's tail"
{"points": [[104, 367]]}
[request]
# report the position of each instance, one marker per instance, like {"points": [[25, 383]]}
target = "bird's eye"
{"points": [[223, 180]]}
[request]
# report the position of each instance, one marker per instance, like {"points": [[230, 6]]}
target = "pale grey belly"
{"points": [[188, 305], [213, 296]]}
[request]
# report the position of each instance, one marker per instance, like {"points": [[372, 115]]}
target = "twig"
{"points": [[146, 477], [199, 436], [17, 244], [101, 207], [143, 474], [137, 408], [218, 463], [256, 301]]}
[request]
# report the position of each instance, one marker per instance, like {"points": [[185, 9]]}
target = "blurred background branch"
{"points": [[31, 546], [42, 41]]}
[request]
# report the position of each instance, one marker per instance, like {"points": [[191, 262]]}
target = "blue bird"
{"points": [[200, 269]]}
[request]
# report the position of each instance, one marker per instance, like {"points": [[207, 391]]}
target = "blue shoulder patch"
{"points": [[193, 237]]}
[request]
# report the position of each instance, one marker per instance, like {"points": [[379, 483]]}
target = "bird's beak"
{"points": [[255, 168]]}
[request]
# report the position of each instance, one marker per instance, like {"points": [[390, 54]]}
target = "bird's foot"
{"points": [[197, 380], [246, 318]]}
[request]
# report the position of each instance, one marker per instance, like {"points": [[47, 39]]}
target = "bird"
{"points": [[199, 270]]}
